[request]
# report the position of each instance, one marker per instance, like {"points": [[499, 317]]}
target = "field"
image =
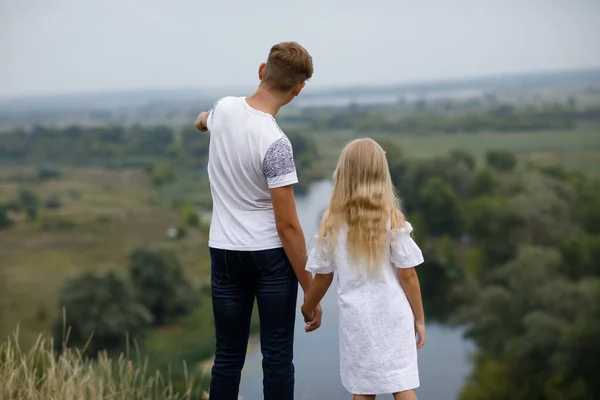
{"points": [[114, 211], [110, 212], [104, 215], [574, 149]]}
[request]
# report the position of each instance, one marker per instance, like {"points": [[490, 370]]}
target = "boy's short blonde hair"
{"points": [[288, 65]]}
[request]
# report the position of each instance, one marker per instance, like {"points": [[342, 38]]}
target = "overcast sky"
{"points": [[63, 46]]}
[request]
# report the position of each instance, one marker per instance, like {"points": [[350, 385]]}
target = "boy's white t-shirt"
{"points": [[248, 155]]}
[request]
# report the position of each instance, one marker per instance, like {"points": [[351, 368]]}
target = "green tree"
{"points": [[464, 157], [493, 226], [483, 183], [305, 154], [491, 380], [587, 204], [440, 207], [14, 144], [581, 253], [536, 330], [190, 216], [161, 284], [28, 199], [395, 158], [53, 202], [305, 149], [162, 172], [151, 141], [5, 221], [29, 202], [501, 160], [414, 175], [45, 173], [100, 307], [195, 144]]}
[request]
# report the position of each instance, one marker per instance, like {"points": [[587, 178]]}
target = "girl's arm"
{"points": [[319, 287], [410, 283]]}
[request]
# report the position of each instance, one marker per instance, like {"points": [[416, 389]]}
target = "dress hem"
{"points": [[383, 390]]}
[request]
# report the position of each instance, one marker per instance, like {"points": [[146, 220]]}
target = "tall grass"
{"points": [[41, 373]]}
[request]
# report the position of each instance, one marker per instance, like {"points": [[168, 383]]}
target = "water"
{"points": [[443, 362]]}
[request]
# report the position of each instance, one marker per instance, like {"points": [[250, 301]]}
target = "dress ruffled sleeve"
{"points": [[321, 258], [405, 253]]}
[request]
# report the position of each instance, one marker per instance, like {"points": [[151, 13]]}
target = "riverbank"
{"points": [[444, 361]]}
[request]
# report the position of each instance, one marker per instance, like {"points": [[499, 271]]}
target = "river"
{"points": [[443, 361]]}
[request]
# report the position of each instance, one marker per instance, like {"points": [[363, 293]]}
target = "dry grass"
{"points": [[41, 374]]}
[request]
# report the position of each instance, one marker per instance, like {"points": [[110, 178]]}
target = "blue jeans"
{"points": [[237, 278]]}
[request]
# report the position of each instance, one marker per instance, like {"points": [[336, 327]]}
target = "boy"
{"points": [[256, 242]]}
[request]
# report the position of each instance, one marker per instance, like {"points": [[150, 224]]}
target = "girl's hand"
{"points": [[315, 322], [420, 332]]}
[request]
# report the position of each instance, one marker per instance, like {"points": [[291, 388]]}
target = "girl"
{"points": [[365, 239]]}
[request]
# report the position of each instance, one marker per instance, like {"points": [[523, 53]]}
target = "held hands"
{"points": [[312, 318], [420, 333]]}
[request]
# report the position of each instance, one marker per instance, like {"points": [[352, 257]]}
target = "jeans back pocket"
{"points": [[272, 262]]}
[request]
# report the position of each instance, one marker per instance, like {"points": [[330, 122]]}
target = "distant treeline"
{"points": [[154, 148], [449, 118], [86, 144]]}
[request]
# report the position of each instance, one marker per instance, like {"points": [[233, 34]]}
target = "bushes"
{"points": [[160, 284], [162, 173], [52, 203], [105, 307], [5, 221], [45, 173], [536, 329], [441, 207], [501, 160], [29, 202], [51, 222], [464, 157], [189, 216], [101, 308]]}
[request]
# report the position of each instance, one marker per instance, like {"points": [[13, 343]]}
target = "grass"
{"points": [[576, 149], [192, 339], [40, 374], [573, 141], [112, 214]]}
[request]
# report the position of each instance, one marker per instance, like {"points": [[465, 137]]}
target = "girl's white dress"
{"points": [[378, 352]]}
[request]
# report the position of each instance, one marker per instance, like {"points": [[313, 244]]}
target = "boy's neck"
{"points": [[267, 101]]}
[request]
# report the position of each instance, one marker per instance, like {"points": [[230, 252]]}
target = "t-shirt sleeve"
{"points": [[405, 253], [321, 260], [278, 165], [211, 115]]}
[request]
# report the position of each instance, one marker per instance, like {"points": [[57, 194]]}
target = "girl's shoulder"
{"points": [[401, 232], [396, 220], [397, 224]]}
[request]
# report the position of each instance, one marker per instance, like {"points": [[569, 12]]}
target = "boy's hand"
{"points": [[312, 318], [308, 315], [420, 332], [201, 121]]}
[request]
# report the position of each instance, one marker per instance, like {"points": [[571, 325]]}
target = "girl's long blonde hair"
{"points": [[364, 198]]}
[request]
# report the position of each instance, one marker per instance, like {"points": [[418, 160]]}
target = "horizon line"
{"points": [[321, 89]]}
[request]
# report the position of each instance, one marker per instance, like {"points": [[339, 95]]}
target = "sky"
{"points": [[73, 46]]}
